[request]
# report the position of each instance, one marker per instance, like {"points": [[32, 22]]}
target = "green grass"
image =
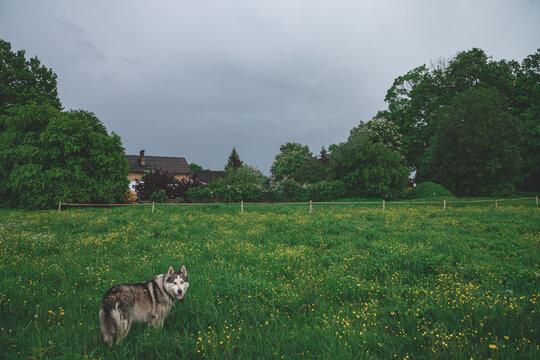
{"points": [[345, 282]]}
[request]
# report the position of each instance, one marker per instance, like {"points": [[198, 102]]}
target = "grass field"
{"points": [[347, 281]]}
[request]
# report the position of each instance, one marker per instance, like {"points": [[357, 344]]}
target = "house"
{"points": [[208, 176], [138, 164]]}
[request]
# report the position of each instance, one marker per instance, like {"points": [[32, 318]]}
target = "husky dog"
{"points": [[146, 302]]}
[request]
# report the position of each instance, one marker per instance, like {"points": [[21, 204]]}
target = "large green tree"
{"points": [[368, 168], [419, 103], [23, 81], [527, 110], [291, 158], [47, 156], [474, 150]]}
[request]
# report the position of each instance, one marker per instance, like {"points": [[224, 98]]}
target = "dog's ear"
{"points": [[170, 272], [183, 271]]}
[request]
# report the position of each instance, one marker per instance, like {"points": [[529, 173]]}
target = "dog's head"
{"points": [[176, 282]]}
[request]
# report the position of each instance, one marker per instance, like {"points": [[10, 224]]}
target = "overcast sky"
{"points": [[197, 78]]}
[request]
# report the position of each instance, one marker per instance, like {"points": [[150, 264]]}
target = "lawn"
{"points": [[345, 282]]}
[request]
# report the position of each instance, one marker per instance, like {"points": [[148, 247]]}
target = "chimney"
{"points": [[141, 157]]}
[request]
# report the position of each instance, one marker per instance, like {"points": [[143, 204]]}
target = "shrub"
{"points": [[292, 191], [155, 180], [200, 195], [130, 197], [428, 190], [327, 191], [159, 196]]}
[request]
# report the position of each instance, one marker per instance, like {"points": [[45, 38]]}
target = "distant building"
{"points": [[138, 164], [208, 176]]}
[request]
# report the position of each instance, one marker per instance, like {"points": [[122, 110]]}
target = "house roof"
{"points": [[207, 176], [173, 165]]}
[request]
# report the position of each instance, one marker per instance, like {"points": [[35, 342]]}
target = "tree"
{"points": [[419, 103], [311, 171], [474, 151], [291, 158], [195, 167], [234, 160], [417, 99], [368, 168], [412, 106], [323, 156], [527, 110], [49, 156], [23, 81], [244, 174], [380, 130]]}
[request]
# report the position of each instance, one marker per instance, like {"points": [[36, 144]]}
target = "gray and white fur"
{"points": [[147, 302]]}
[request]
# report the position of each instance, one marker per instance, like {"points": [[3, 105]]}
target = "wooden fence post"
{"points": [[383, 205], [310, 206], [536, 200], [495, 203], [153, 204], [60, 204], [242, 207], [444, 206]]}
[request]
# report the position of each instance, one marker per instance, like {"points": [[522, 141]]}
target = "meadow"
{"points": [[344, 282]]}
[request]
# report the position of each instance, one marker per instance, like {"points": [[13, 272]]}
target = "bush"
{"points": [[244, 183], [327, 191], [153, 181], [251, 192], [130, 197], [428, 190], [200, 195], [290, 190], [159, 196]]}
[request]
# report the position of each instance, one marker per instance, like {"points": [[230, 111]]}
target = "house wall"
{"points": [[133, 176], [181, 177]]}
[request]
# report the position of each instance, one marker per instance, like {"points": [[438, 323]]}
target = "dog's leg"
{"points": [[107, 325], [160, 321], [125, 325], [155, 321]]}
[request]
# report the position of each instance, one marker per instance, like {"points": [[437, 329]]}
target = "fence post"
{"points": [[310, 206], [153, 204], [383, 205], [242, 207], [60, 204], [495, 203], [536, 200], [444, 206]]}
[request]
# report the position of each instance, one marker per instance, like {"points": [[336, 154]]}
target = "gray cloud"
{"points": [[194, 79]]}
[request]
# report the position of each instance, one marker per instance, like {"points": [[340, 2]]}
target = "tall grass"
{"points": [[343, 282]]}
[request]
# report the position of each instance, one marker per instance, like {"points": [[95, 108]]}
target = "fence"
{"points": [[443, 203]]}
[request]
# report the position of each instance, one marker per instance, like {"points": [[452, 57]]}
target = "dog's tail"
{"points": [[107, 325]]}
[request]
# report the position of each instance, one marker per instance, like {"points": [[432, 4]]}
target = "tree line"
{"points": [[468, 123]]}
